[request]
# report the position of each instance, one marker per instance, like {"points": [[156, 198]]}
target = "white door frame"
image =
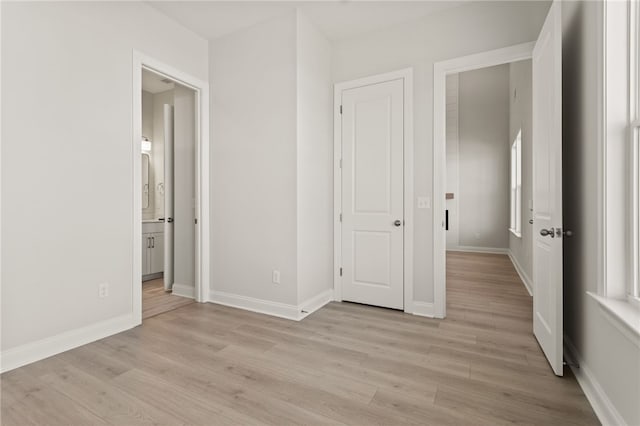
{"points": [[407, 76], [202, 260], [490, 58]]}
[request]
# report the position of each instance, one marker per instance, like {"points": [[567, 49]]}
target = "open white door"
{"points": [[168, 197], [547, 189]]}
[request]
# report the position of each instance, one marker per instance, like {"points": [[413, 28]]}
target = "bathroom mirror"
{"points": [[145, 181]]}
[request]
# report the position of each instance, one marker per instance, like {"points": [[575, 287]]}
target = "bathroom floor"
{"points": [[157, 301]]}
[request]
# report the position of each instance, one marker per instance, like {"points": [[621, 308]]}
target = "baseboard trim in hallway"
{"points": [[473, 249], [523, 276]]}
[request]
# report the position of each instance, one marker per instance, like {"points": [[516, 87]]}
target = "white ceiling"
{"points": [[152, 83], [336, 19]]}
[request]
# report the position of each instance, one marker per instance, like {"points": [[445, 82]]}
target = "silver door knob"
{"points": [[397, 223], [548, 232]]}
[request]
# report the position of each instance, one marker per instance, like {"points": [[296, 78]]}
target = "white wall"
{"points": [[315, 161], [484, 158], [608, 358], [253, 152], [272, 156], [452, 130], [67, 166], [184, 178], [449, 34], [520, 117]]}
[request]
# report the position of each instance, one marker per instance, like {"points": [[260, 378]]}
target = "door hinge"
{"points": [[340, 109], [341, 163], [340, 271], [196, 220], [340, 217]]}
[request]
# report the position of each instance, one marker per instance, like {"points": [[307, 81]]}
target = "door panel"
{"points": [[168, 197], [184, 180], [547, 189], [372, 194], [371, 258]]}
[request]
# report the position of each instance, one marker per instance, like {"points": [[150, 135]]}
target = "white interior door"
{"points": [[168, 197], [372, 194], [547, 189], [184, 181]]}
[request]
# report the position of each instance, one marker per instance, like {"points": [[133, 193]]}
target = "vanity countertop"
{"points": [[152, 226]]}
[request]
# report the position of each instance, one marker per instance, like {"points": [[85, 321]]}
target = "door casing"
{"points": [[407, 76], [141, 61], [490, 58]]}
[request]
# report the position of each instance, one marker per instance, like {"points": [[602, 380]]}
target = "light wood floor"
{"points": [[206, 364], [157, 301]]}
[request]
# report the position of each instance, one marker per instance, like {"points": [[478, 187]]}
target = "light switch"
{"points": [[424, 202]]}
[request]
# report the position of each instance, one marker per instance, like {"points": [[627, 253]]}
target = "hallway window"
{"points": [[516, 186]]}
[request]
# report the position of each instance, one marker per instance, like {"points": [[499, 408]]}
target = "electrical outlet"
{"points": [[275, 277], [103, 290]]}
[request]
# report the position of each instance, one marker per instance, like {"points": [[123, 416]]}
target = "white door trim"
{"points": [[407, 76], [141, 61], [490, 58]]}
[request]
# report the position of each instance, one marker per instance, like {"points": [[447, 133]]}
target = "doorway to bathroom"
{"points": [[170, 212]]}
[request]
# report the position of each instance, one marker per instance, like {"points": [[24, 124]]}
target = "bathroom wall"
{"points": [[147, 131]]}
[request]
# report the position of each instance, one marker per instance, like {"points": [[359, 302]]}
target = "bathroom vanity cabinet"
{"points": [[152, 250]]}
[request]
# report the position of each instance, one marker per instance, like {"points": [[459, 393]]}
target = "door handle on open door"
{"points": [[548, 232], [397, 223]]}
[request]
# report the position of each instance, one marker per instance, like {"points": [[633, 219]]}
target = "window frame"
{"points": [[515, 188]]}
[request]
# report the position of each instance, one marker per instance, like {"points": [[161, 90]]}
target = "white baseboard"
{"points": [[471, 249], [523, 276], [261, 306], [183, 290], [600, 402], [313, 304], [41, 349], [423, 309], [276, 309]]}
